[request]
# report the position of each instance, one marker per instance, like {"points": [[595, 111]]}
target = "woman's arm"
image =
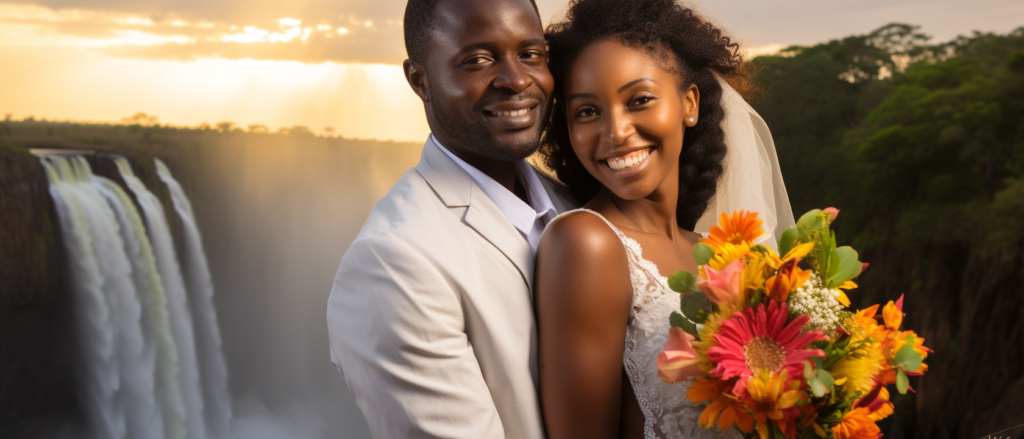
{"points": [[583, 297]]}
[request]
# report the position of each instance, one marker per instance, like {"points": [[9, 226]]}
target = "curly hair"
{"points": [[691, 47]]}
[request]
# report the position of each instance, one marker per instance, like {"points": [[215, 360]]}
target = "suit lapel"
{"points": [[457, 189]]}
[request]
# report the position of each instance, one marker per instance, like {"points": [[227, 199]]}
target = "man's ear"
{"points": [[417, 77]]}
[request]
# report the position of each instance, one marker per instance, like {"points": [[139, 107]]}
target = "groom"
{"points": [[431, 315]]}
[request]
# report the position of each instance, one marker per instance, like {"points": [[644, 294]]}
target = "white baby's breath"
{"points": [[819, 303]]}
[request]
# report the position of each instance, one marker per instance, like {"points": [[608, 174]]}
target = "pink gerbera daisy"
{"points": [[759, 339]]}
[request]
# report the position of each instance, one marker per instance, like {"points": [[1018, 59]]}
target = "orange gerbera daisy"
{"points": [[742, 226]]}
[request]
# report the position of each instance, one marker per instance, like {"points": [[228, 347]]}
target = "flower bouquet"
{"points": [[770, 343]]}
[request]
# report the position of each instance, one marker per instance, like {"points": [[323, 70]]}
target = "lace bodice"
{"points": [[668, 414]]}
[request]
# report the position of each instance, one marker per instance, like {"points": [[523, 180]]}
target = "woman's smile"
{"points": [[629, 163]]}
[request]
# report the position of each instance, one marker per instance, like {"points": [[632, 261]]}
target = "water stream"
{"points": [[140, 350]]}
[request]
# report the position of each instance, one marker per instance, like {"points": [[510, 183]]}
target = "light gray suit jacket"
{"points": [[431, 315]]}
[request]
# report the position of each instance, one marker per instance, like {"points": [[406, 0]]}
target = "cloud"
{"points": [[242, 10], [338, 49], [349, 38]]}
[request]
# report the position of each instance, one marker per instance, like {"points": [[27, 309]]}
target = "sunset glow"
{"points": [[320, 63]]}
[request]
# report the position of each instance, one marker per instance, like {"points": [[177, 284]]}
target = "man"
{"points": [[431, 315]]}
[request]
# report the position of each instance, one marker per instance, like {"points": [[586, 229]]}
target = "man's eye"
{"points": [[532, 55], [478, 60]]}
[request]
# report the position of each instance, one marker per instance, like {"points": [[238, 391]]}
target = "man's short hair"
{"points": [[419, 22]]}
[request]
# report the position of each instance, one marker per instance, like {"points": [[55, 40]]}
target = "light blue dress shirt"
{"points": [[529, 219]]}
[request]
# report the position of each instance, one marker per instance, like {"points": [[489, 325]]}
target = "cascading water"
{"points": [[156, 326], [200, 287], [140, 375], [177, 299]]}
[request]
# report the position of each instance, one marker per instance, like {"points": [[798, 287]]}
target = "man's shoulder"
{"points": [[408, 206], [411, 219]]}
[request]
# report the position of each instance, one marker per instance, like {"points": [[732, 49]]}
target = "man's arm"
{"points": [[397, 334]]}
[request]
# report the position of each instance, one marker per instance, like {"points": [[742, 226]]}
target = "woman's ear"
{"points": [[417, 78], [691, 106]]}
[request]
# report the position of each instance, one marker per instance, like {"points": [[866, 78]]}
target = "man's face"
{"points": [[488, 81]]}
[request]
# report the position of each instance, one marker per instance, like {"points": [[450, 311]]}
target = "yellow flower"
{"points": [[859, 368], [798, 251], [727, 253], [772, 396], [758, 267], [848, 285]]}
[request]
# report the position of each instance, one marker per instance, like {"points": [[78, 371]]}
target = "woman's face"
{"points": [[626, 116]]}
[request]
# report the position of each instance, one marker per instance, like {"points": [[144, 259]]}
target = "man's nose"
{"points": [[512, 76]]}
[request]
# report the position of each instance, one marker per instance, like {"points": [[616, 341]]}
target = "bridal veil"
{"points": [[752, 179]]}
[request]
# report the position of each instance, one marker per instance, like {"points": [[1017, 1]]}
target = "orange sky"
{"points": [[326, 63]]}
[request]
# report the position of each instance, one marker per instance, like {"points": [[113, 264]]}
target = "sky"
{"points": [[330, 65]]}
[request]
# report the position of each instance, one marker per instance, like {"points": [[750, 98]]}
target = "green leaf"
{"points": [[702, 253], [907, 358], [696, 306], [817, 363], [826, 379], [809, 221], [849, 267], [902, 382], [682, 282], [676, 320], [788, 240], [808, 369], [817, 387]]}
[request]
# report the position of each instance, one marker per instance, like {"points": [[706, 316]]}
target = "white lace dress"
{"points": [[668, 414]]}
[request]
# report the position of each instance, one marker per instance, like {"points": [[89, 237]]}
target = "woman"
{"points": [[643, 126]]}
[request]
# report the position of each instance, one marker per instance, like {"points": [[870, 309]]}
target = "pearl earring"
{"points": [[691, 120]]}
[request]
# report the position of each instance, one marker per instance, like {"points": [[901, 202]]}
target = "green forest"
{"points": [[919, 143]]}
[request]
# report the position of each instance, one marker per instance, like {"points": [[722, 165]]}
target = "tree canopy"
{"points": [[921, 143]]}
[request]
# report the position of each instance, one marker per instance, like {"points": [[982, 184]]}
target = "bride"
{"points": [[647, 128]]}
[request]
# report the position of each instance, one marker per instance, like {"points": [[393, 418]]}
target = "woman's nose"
{"points": [[619, 128]]}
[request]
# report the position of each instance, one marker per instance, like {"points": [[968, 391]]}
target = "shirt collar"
{"points": [[520, 214]]}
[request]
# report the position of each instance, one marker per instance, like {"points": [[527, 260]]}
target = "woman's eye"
{"points": [[586, 112], [643, 100]]}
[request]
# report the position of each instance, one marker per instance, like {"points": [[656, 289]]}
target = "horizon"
{"points": [[332, 67]]}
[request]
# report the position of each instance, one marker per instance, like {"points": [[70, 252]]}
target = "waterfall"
{"points": [[177, 300], [156, 324], [118, 370], [140, 374], [200, 287]]}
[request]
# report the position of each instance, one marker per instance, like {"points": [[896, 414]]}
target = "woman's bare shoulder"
{"points": [[582, 236], [584, 260]]}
